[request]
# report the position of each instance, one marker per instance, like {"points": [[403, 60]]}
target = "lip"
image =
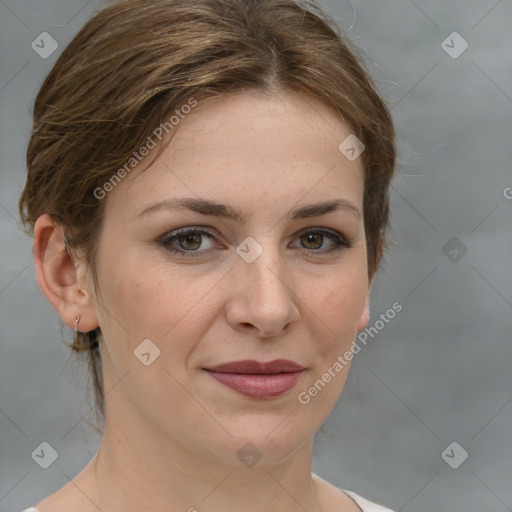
{"points": [[253, 367], [256, 379]]}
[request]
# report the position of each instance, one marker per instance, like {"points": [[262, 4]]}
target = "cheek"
{"points": [[135, 292], [155, 302], [340, 303]]}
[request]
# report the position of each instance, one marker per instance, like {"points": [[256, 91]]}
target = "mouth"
{"points": [[256, 379]]}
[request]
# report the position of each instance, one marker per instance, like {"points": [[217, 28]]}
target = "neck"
{"points": [[139, 468]]}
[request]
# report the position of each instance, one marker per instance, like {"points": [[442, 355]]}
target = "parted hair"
{"points": [[135, 62]]}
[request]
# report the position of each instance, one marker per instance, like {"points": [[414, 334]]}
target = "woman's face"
{"points": [[260, 289]]}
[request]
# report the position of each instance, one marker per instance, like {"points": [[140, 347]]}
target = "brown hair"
{"points": [[135, 62]]}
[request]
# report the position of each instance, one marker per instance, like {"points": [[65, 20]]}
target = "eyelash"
{"points": [[166, 240]]}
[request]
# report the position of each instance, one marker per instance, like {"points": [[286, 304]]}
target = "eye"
{"points": [[190, 241], [314, 238]]}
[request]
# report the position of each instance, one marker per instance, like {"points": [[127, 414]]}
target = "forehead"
{"points": [[250, 143], [252, 123]]}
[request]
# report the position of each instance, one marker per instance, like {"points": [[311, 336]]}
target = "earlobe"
{"points": [[56, 274]]}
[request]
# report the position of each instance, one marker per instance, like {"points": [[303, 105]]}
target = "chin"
{"points": [[266, 440]]}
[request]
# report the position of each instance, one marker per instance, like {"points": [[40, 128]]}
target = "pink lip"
{"points": [[255, 367], [258, 380]]}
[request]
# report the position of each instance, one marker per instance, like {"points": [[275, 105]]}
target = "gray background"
{"points": [[437, 373]]}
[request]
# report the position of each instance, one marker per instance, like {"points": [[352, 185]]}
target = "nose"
{"points": [[262, 296]]}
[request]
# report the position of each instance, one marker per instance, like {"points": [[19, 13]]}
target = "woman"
{"points": [[208, 194]]}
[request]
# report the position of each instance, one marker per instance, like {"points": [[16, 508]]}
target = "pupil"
{"points": [[190, 237], [312, 236]]}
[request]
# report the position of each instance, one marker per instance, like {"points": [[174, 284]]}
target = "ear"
{"points": [[365, 314], [57, 275]]}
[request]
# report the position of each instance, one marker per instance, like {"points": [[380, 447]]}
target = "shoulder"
{"points": [[366, 505], [343, 499]]}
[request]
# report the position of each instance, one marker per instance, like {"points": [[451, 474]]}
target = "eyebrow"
{"points": [[207, 207]]}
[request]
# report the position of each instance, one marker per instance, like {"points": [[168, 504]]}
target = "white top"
{"points": [[364, 504]]}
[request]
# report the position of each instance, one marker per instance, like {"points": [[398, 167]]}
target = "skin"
{"points": [[172, 432]]}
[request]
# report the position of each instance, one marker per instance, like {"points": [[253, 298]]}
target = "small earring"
{"points": [[77, 319]]}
